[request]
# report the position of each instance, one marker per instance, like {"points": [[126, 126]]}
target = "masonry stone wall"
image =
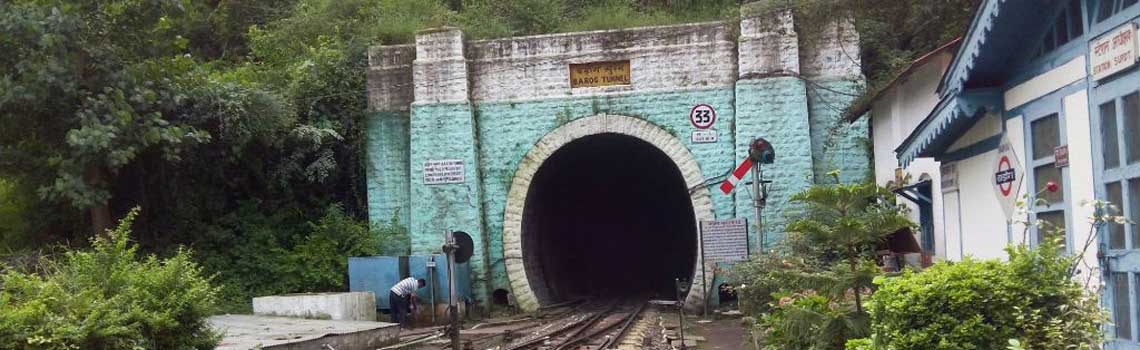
{"points": [[495, 105]]}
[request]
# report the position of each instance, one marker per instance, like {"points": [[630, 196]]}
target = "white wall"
{"points": [[975, 222], [1080, 186], [1016, 134], [893, 116]]}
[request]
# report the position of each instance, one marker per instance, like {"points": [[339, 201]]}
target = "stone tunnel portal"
{"points": [[607, 215]]}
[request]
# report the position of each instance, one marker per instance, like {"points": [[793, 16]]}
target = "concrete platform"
{"points": [[352, 306], [244, 332]]}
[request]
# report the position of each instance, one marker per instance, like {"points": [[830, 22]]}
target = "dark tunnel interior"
{"points": [[608, 215]]}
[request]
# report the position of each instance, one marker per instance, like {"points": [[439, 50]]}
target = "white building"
{"points": [[894, 111]]}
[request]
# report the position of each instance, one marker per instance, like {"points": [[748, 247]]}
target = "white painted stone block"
{"points": [[353, 306]]}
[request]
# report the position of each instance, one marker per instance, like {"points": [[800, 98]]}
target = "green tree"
{"points": [[87, 82], [854, 219], [818, 281]]}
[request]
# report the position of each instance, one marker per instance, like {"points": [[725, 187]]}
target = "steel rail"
{"points": [[546, 336], [624, 328]]}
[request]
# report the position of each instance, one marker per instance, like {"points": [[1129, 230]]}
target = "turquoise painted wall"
{"points": [[507, 131], [837, 144], [387, 168], [492, 138], [776, 109], [438, 132]]}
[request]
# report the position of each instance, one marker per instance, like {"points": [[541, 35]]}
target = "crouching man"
{"points": [[402, 299]]}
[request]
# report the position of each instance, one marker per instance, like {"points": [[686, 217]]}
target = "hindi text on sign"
{"points": [[725, 240], [444, 171], [1113, 52], [595, 74]]}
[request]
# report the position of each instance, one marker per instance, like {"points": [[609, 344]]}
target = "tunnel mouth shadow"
{"points": [[607, 215]]}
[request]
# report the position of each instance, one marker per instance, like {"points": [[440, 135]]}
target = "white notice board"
{"points": [[725, 240], [444, 171]]}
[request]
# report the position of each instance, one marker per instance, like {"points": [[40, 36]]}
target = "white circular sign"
{"points": [[703, 116]]}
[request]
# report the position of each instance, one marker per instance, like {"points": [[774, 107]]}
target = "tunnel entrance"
{"points": [[607, 215]]}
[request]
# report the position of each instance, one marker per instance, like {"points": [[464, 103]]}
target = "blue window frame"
{"points": [[1068, 25], [1107, 8], [1045, 130], [1115, 120], [1105, 15]]}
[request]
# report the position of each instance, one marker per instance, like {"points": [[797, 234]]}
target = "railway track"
{"points": [[592, 326], [577, 325]]}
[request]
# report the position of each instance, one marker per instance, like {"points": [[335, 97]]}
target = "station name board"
{"points": [[595, 74], [1114, 52]]}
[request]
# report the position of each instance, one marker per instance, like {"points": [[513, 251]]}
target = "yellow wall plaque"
{"points": [[596, 74]]}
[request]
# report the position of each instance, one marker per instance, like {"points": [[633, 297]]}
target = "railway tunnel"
{"points": [[607, 215]]}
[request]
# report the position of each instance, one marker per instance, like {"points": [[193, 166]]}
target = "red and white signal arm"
{"points": [[702, 116], [737, 175], [1007, 177]]}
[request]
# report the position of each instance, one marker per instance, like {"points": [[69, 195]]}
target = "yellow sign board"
{"points": [[596, 74]]}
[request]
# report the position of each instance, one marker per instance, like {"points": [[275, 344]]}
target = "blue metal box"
{"points": [[377, 274]]}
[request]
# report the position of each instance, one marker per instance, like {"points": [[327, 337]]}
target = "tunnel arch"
{"points": [[527, 293]]}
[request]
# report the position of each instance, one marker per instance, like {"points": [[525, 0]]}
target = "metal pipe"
{"points": [[680, 313], [431, 279], [758, 200]]}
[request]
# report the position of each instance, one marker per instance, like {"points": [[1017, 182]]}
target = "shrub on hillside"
{"points": [[108, 298]]}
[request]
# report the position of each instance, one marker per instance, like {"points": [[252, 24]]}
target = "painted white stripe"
{"points": [[1078, 133], [733, 180], [1045, 83]]}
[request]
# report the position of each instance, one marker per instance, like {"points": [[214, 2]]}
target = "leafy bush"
{"points": [[255, 254], [394, 239], [859, 344], [811, 321], [109, 297], [766, 275], [984, 304], [825, 270], [13, 207]]}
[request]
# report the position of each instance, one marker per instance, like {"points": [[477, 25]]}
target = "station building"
{"points": [[1042, 92], [583, 163], [893, 111]]}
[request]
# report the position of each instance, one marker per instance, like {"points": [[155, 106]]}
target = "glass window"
{"points": [[1104, 11], [1121, 309], [1046, 136], [1116, 231], [1131, 117], [1043, 175], [1061, 25], [1108, 137], [1107, 8], [1134, 211], [1048, 44], [1052, 226], [1076, 20]]}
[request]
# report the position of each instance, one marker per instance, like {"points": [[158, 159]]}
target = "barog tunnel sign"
{"points": [[596, 74], [1007, 177]]}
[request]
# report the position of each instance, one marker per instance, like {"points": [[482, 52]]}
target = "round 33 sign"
{"points": [[703, 116]]}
